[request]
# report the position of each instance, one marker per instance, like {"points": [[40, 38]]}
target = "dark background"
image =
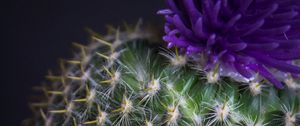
{"points": [[36, 33]]}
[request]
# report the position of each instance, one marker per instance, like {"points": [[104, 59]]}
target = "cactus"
{"points": [[130, 78]]}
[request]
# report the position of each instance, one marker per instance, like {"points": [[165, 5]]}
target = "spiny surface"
{"points": [[242, 37], [132, 82]]}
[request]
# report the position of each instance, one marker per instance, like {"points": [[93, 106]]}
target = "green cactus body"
{"points": [[128, 79]]}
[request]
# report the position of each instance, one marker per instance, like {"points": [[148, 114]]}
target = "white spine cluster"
{"points": [[222, 112], [291, 83], [212, 77], [173, 115], [255, 88], [290, 119]]}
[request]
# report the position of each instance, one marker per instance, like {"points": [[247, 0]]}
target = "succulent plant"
{"points": [[130, 78]]}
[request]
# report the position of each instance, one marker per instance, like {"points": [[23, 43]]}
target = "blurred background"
{"points": [[36, 33]]}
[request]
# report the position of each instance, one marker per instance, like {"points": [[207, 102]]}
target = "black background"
{"points": [[36, 33]]}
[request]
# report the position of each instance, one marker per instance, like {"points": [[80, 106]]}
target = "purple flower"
{"points": [[246, 36]]}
